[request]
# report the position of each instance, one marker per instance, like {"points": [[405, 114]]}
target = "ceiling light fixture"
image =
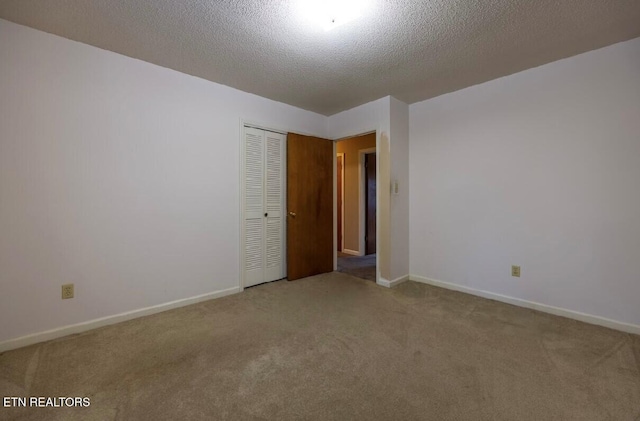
{"points": [[330, 14]]}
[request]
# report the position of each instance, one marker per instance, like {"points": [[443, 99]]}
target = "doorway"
{"points": [[356, 205], [370, 203]]}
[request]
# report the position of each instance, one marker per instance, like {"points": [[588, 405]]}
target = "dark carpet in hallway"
{"points": [[363, 267]]}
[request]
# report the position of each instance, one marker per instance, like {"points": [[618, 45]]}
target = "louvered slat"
{"points": [[274, 173], [254, 173], [274, 242], [253, 244]]}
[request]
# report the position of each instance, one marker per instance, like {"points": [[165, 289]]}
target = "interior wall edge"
{"points": [[394, 282]]}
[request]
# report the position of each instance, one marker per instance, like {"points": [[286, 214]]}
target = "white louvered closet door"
{"points": [[263, 206], [274, 204]]}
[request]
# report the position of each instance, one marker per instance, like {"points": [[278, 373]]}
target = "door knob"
{"points": [[292, 214]]}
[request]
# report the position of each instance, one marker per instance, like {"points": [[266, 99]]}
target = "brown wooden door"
{"points": [[340, 185], [309, 206], [370, 203]]}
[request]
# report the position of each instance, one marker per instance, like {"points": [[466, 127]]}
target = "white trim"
{"points": [[271, 128], [378, 239], [341, 210], [390, 284], [576, 315], [109, 320], [255, 126], [285, 218], [241, 279], [340, 139], [361, 199], [334, 210], [351, 252]]}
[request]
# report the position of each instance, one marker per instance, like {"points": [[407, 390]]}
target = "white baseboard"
{"points": [[351, 252], [390, 284], [109, 320], [576, 315]]}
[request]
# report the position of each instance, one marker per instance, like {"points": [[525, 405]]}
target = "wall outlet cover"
{"points": [[515, 271], [67, 291]]}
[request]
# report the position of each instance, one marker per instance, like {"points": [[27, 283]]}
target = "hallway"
{"points": [[363, 267]]}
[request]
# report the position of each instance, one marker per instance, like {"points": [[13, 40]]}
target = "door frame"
{"points": [[341, 210], [362, 176]]}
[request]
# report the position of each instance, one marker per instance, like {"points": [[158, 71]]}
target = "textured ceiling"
{"points": [[412, 50]]}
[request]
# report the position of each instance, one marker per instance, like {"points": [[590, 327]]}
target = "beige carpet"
{"points": [[334, 347]]}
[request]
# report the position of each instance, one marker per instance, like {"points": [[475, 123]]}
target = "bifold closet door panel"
{"points": [[274, 203], [254, 237], [263, 206]]}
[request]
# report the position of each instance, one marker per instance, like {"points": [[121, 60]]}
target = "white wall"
{"points": [[539, 169], [399, 203], [116, 175], [365, 118]]}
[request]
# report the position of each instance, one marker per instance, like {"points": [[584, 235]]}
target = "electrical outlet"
{"points": [[515, 271], [67, 291]]}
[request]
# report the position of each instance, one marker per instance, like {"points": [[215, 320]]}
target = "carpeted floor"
{"points": [[359, 266], [334, 347]]}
